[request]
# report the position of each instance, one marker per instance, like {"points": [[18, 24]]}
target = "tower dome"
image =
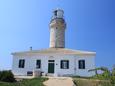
{"points": [[57, 29]]}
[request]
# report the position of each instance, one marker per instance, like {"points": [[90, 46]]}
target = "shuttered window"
{"points": [[64, 64], [38, 64], [55, 13], [81, 64], [21, 63]]}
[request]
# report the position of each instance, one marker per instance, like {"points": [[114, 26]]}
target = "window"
{"points": [[81, 64], [38, 64], [29, 73], [21, 63], [55, 13], [64, 64]]}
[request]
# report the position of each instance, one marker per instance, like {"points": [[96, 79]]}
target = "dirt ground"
{"points": [[59, 81]]}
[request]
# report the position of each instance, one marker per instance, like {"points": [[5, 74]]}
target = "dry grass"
{"points": [[92, 82]]}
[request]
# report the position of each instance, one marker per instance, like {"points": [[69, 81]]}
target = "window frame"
{"points": [[21, 63], [38, 64], [81, 64], [64, 64]]}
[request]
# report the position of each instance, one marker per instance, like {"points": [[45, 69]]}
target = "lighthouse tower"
{"points": [[57, 29]]}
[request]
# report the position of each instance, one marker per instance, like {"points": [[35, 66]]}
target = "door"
{"points": [[51, 66]]}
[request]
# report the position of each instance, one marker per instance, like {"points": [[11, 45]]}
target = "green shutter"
{"points": [[83, 64], [61, 65], [19, 64], [67, 64], [23, 63]]}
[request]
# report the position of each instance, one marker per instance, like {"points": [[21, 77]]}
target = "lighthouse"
{"points": [[57, 60], [57, 29]]}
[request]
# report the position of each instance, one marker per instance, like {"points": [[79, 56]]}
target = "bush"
{"points": [[113, 71], [7, 76], [112, 79]]}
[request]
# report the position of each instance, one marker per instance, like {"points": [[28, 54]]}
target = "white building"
{"points": [[57, 59]]}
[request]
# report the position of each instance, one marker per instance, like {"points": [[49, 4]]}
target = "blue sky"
{"points": [[90, 27]]}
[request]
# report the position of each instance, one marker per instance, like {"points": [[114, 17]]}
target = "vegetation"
{"points": [[7, 76], [92, 82], [107, 78], [7, 79], [104, 76], [27, 82]]}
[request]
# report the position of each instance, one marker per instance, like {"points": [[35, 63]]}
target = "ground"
{"points": [[59, 81], [91, 82], [29, 82]]}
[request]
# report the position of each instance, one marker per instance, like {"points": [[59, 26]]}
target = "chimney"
{"points": [[31, 48]]}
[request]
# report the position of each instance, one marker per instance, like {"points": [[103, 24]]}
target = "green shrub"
{"points": [[104, 76], [7, 76], [112, 79], [113, 72]]}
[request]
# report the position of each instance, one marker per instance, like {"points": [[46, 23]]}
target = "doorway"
{"points": [[51, 66]]}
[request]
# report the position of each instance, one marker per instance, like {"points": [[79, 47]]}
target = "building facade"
{"points": [[56, 60]]}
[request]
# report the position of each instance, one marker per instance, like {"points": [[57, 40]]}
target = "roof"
{"points": [[56, 51]]}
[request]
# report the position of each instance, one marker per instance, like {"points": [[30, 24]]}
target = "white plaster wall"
{"points": [[89, 64], [71, 65], [30, 64]]}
